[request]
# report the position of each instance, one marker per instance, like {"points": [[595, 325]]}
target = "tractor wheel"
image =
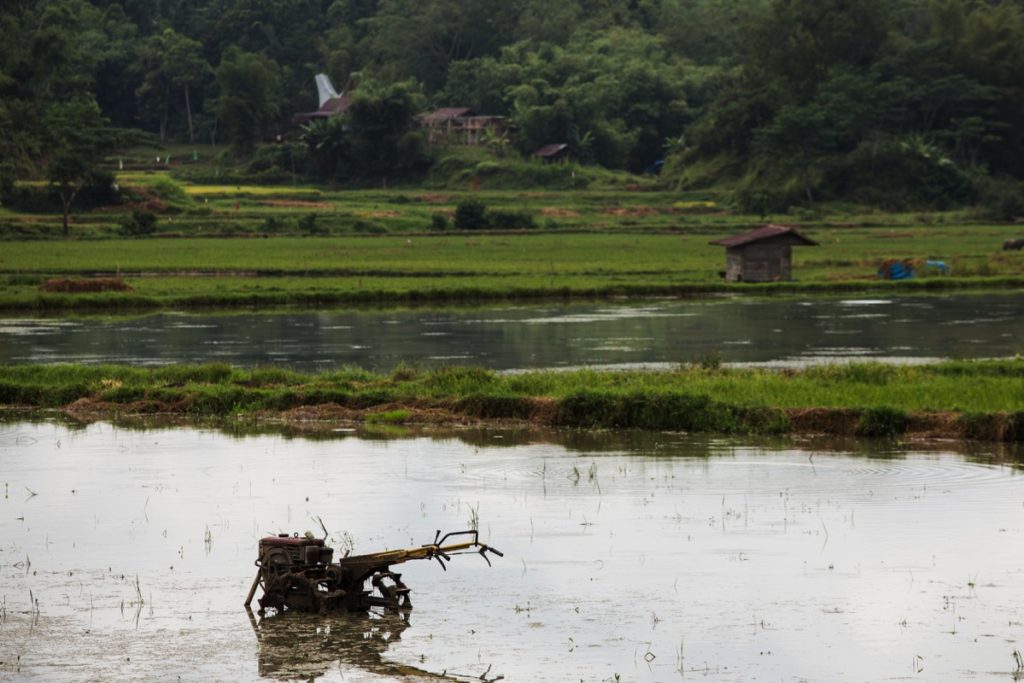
{"points": [[275, 569], [391, 593]]}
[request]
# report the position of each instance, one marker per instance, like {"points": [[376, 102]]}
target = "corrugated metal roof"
{"points": [[551, 150], [445, 114], [763, 233]]}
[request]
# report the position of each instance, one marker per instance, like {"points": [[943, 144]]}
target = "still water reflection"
{"points": [[657, 333], [127, 555]]}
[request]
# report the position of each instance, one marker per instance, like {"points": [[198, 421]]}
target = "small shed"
{"points": [[762, 255]]}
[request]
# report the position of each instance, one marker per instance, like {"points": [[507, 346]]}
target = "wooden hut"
{"points": [[762, 255], [459, 125]]}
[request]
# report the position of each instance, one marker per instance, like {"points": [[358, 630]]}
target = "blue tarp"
{"points": [[896, 271]]}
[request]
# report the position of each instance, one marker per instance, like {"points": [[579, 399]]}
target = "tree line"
{"points": [[883, 101]]}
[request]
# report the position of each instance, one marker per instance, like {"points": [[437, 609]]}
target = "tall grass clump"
{"points": [[644, 410], [460, 381], [269, 377], [210, 373], [883, 422]]}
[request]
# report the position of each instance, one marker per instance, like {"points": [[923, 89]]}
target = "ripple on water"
{"points": [[759, 563]]}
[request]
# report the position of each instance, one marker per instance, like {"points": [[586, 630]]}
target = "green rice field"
{"points": [[242, 245]]}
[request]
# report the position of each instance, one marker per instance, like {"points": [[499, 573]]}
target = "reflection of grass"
{"points": [[966, 399]]}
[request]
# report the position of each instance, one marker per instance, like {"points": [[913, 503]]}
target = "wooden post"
{"points": [[252, 591]]}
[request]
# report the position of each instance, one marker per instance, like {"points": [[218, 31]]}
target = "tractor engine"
{"points": [[284, 550]]}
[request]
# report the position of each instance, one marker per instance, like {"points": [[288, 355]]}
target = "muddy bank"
{"points": [[542, 414]]}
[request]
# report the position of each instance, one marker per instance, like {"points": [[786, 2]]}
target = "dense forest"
{"points": [[887, 102]]}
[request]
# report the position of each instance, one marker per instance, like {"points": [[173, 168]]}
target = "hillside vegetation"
{"points": [[890, 103]]}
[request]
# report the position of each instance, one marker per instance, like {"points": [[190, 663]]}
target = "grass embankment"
{"points": [[970, 400], [335, 270]]}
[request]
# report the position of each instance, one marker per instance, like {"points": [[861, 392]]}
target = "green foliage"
{"points": [[1003, 201], [438, 221], [761, 202], [471, 214], [169, 190], [310, 224], [375, 139], [816, 100], [141, 223], [77, 139], [510, 219], [328, 145], [173, 67], [273, 224], [883, 422], [277, 163], [382, 141], [249, 95]]}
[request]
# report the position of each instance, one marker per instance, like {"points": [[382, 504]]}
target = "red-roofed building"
{"points": [[763, 254]]}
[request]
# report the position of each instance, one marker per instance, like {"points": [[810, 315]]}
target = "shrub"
{"points": [[510, 220], [439, 221], [471, 214], [273, 224], [141, 223], [1003, 201], [368, 227], [486, 168], [761, 202], [308, 223], [169, 190]]}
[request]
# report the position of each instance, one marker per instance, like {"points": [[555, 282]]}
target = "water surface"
{"points": [[551, 335], [126, 555]]}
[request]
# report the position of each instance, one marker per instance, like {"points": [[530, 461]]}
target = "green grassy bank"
{"points": [[967, 400]]}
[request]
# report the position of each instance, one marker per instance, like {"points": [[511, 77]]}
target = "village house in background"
{"points": [[762, 255], [332, 103], [445, 126], [461, 126]]}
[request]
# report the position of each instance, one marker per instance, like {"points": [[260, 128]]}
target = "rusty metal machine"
{"points": [[297, 573]]}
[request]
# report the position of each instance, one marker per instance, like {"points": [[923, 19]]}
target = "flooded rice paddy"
{"points": [[126, 555], [785, 331]]}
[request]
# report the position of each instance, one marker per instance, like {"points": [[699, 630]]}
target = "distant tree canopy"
{"points": [[815, 98], [77, 139]]}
